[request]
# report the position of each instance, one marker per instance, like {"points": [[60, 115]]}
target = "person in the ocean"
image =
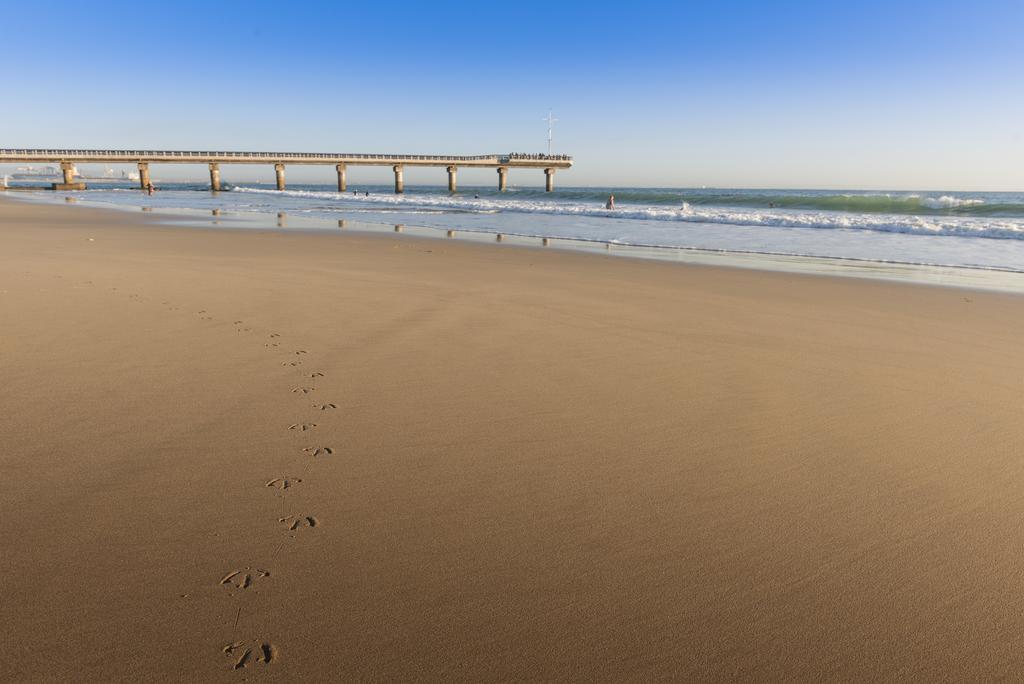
{"points": [[610, 204], [150, 189]]}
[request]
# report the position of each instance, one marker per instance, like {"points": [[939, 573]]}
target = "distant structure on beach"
{"points": [[67, 159]]}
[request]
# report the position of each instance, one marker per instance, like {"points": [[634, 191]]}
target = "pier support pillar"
{"points": [[215, 177], [279, 172], [549, 180], [143, 175], [502, 178], [342, 185], [399, 182], [68, 169], [144, 181], [452, 170]]}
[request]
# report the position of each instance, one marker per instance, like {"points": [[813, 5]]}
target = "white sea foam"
{"points": [[949, 202], [687, 213]]}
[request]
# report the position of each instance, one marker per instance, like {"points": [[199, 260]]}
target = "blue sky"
{"points": [[755, 94]]}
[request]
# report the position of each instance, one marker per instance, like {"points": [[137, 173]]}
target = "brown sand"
{"points": [[545, 465]]}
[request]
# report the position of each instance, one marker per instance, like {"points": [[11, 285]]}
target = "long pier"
{"points": [[67, 159]]}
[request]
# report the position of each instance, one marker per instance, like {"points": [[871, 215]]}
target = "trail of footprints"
{"points": [[257, 653]]}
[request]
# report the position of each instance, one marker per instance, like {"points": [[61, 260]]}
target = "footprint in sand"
{"points": [[252, 652], [324, 407], [243, 579], [284, 482], [301, 351], [292, 363], [274, 335], [302, 427], [316, 375], [294, 522], [272, 344], [316, 451], [303, 390]]}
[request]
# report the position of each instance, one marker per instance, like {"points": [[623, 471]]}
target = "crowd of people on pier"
{"points": [[539, 156]]}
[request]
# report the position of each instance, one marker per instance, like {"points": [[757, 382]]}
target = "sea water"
{"points": [[979, 230]]}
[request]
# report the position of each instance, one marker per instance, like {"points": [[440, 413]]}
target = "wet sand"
{"points": [[503, 463]]}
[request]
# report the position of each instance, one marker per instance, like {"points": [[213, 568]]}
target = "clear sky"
{"points": [[753, 93]]}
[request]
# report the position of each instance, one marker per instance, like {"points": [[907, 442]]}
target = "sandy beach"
{"points": [[274, 456]]}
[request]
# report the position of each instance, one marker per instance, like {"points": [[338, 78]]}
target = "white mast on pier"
{"points": [[551, 127]]}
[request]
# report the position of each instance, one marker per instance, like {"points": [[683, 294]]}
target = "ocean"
{"points": [[975, 230]]}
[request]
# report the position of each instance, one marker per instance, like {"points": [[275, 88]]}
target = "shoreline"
{"points": [[985, 278], [500, 463]]}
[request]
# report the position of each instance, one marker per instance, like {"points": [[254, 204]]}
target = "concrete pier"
{"points": [[548, 163], [399, 182], [549, 180]]}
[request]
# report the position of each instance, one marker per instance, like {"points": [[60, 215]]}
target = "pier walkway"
{"points": [[143, 158]]}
